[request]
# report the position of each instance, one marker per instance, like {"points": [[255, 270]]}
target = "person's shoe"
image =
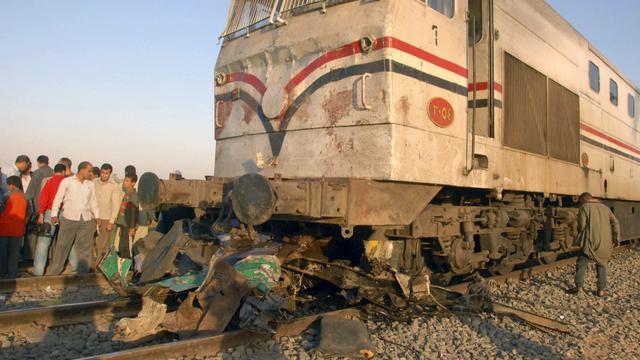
{"points": [[602, 293], [577, 291]]}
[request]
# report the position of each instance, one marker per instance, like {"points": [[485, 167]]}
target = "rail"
{"points": [[291, 5], [70, 314], [41, 282]]}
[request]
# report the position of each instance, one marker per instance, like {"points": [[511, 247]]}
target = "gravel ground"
{"points": [[54, 296], [65, 342], [600, 328]]}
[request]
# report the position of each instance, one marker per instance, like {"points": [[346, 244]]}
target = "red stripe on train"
{"points": [[604, 136], [249, 79], [481, 86], [425, 55], [384, 43], [353, 49]]}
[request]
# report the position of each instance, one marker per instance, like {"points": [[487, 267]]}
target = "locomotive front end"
{"points": [[301, 90]]}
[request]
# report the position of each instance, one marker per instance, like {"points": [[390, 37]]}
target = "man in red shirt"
{"points": [[14, 212], [47, 194]]}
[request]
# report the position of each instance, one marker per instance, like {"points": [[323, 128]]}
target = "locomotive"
{"points": [[437, 136]]}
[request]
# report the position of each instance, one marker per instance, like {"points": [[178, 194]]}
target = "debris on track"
{"points": [[598, 328]]}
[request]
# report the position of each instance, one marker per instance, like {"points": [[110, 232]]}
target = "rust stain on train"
{"points": [[248, 113], [404, 106], [337, 106], [223, 111], [343, 144]]}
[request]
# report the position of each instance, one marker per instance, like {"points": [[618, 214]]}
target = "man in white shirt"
{"points": [[77, 221], [109, 196]]}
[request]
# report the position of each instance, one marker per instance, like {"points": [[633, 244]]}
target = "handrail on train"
{"points": [[246, 16]]}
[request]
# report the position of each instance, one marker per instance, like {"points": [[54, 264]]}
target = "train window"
{"points": [[613, 92], [444, 7], [248, 15], [594, 77], [631, 106], [475, 12]]}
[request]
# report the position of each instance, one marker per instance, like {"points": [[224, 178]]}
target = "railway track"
{"points": [[42, 282], [70, 314], [205, 345]]}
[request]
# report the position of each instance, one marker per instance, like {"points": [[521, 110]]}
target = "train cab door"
{"points": [[480, 62]]}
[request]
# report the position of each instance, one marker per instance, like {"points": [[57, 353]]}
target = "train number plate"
{"points": [[440, 112]]}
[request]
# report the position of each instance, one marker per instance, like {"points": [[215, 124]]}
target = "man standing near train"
{"points": [[77, 220], [598, 231]]}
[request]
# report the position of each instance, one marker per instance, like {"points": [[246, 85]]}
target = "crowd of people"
{"points": [[55, 216]]}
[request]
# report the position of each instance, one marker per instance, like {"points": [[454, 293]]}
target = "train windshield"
{"points": [[246, 16], [445, 7]]}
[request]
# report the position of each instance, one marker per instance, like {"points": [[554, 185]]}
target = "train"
{"points": [[438, 137]]}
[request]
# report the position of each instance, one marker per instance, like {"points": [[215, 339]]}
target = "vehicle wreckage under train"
{"points": [[404, 140]]}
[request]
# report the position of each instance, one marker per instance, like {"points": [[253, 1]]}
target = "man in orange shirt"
{"points": [[14, 212]]}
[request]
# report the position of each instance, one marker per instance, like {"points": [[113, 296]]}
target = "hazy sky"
{"points": [[131, 81]]}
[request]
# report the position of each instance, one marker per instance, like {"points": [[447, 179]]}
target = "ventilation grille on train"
{"points": [[540, 115]]}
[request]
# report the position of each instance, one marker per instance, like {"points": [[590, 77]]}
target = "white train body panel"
{"points": [[352, 113]]}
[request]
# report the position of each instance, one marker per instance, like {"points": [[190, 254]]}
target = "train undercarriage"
{"points": [[385, 227]]}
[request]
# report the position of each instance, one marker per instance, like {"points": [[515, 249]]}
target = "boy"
{"points": [[45, 205], [127, 220], [109, 198], [15, 209]]}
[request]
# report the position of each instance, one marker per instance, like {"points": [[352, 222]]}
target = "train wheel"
{"points": [[460, 257]]}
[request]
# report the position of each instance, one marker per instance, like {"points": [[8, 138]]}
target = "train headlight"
{"points": [[221, 79], [366, 44]]}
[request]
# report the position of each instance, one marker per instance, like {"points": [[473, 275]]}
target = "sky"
{"points": [[131, 82], [124, 82]]}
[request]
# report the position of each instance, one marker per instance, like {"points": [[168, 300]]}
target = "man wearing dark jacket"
{"points": [[44, 171], [32, 193], [599, 231]]}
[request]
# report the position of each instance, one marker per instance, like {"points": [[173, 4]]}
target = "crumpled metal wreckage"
{"points": [[242, 272], [235, 269]]}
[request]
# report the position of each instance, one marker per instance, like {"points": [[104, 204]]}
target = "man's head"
{"points": [[67, 162], [42, 160], [585, 198], [60, 169], [14, 183], [95, 173], [129, 169], [84, 170], [23, 163], [130, 181], [105, 172]]}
